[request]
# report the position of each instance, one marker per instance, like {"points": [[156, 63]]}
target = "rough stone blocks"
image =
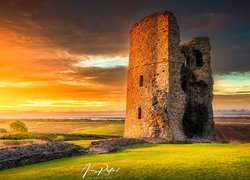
{"points": [[157, 102]]}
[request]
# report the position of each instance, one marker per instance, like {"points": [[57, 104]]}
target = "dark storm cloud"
{"points": [[102, 27], [115, 76], [72, 26]]}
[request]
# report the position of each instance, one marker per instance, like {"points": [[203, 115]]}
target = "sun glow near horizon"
{"points": [[52, 79], [24, 96], [38, 73]]}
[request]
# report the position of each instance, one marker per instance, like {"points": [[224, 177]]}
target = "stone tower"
{"points": [[160, 93]]}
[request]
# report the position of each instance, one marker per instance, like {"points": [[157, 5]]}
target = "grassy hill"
{"points": [[179, 161]]}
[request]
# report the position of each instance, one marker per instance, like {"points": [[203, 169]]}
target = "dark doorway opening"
{"points": [[196, 112], [195, 119]]}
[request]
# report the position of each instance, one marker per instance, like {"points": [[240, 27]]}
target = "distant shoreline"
{"points": [[109, 118]]}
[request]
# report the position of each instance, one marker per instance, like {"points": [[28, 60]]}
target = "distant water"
{"points": [[104, 115]]}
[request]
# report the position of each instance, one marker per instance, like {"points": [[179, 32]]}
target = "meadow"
{"points": [[174, 161], [82, 131], [63, 126]]}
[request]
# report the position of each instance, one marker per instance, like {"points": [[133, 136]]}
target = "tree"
{"points": [[18, 126]]}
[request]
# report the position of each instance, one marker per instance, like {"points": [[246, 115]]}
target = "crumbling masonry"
{"points": [[170, 86]]}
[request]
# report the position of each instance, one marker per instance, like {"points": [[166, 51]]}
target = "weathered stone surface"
{"points": [[108, 146], [197, 83], [155, 55], [23, 155], [158, 105]]}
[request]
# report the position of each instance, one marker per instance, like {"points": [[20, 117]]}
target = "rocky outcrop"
{"points": [[23, 155]]}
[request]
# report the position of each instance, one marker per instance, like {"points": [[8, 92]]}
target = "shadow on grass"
{"points": [[69, 137]]}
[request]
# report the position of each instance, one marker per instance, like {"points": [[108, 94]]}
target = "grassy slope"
{"points": [[150, 162], [110, 129]]}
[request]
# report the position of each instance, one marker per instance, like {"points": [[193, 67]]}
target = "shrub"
{"points": [[18, 126], [59, 138], [2, 130], [16, 136]]}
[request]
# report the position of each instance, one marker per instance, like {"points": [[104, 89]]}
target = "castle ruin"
{"points": [[170, 86]]}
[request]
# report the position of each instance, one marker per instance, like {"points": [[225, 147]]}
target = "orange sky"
{"points": [[49, 63], [33, 77]]}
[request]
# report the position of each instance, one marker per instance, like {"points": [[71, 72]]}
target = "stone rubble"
{"points": [[22, 155]]}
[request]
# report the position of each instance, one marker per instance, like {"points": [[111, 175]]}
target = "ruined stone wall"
{"points": [[197, 83], [170, 87], [155, 55], [177, 97], [23, 155]]}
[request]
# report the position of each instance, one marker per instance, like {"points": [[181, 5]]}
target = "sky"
{"points": [[65, 56]]}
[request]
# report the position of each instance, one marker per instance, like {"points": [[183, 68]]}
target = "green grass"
{"points": [[18, 135], [110, 129], [83, 143], [178, 161]]}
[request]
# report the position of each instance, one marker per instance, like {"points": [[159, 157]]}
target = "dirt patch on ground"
{"points": [[232, 130], [233, 133], [9, 143]]}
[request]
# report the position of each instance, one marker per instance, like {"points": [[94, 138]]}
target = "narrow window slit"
{"points": [[139, 113], [141, 81]]}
